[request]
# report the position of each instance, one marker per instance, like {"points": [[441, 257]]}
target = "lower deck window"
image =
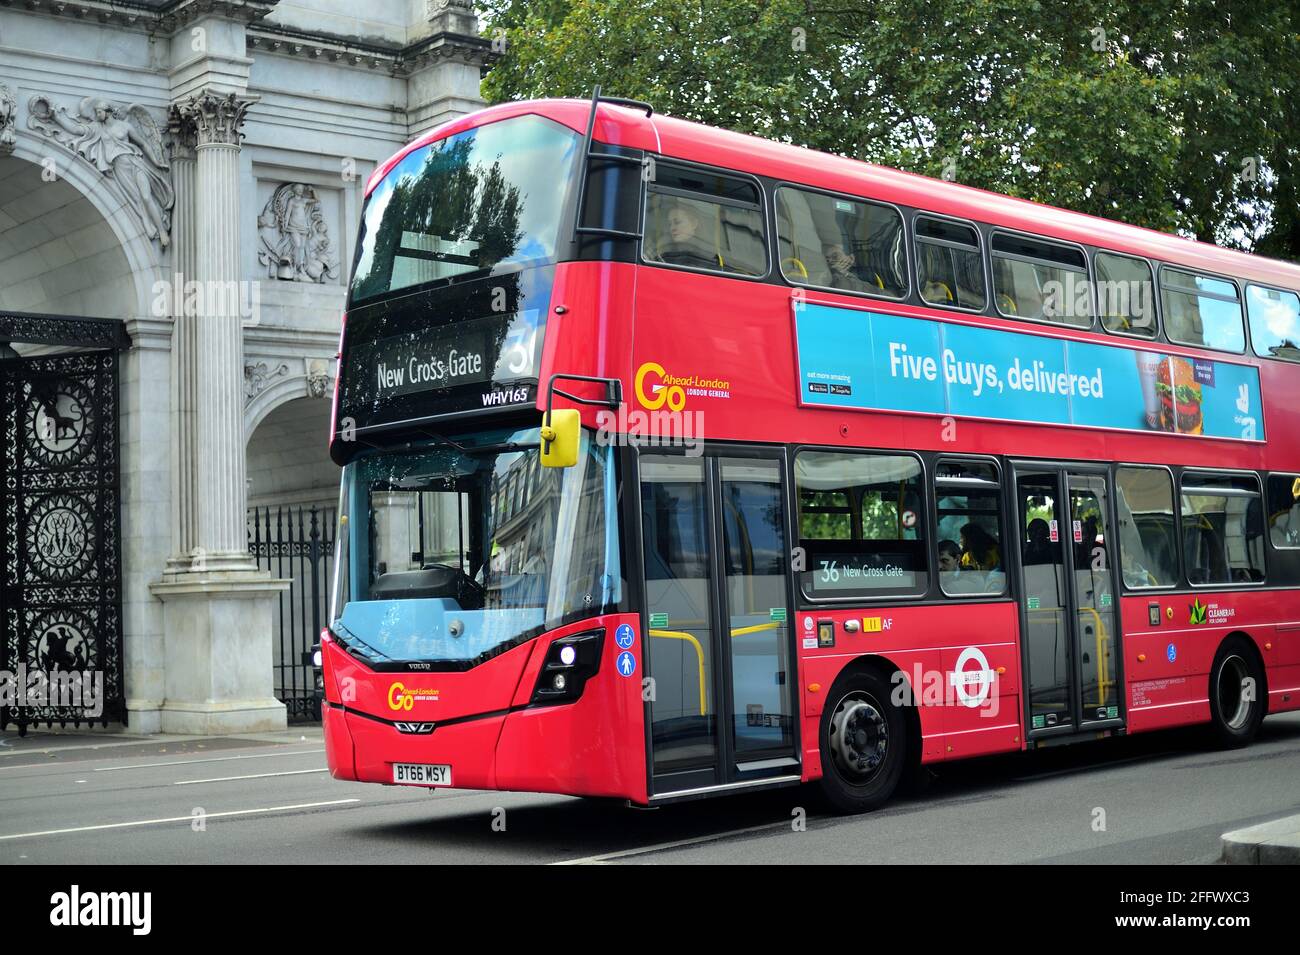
{"points": [[968, 525], [1223, 529], [860, 525]]}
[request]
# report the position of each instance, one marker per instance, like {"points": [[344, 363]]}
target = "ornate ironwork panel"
{"points": [[61, 591]]}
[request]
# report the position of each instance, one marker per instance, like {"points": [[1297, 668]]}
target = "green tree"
{"points": [[1172, 114]]}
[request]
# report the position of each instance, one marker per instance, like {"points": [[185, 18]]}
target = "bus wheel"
{"points": [[1236, 694], [863, 744]]}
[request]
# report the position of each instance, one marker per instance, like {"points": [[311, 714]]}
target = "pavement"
{"points": [[1162, 798], [1272, 843]]}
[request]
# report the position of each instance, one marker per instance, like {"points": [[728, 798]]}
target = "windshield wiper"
{"points": [[443, 439], [478, 450], [351, 640]]}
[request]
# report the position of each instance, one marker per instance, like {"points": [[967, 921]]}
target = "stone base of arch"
{"points": [[218, 657]]}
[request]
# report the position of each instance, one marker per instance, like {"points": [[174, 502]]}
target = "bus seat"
{"points": [[936, 291]]}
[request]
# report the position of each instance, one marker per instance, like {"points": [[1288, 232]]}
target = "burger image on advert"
{"points": [[1180, 397]]}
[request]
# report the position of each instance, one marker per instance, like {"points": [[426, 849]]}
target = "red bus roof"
{"points": [[667, 136]]}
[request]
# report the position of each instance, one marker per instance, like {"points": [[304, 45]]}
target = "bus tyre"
{"points": [[863, 743], [1236, 694]]}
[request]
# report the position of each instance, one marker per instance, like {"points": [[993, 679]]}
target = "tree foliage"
{"points": [[1177, 115]]}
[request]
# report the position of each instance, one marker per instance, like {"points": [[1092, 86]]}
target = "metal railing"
{"points": [[295, 543]]}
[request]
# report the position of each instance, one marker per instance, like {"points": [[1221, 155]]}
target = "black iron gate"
{"points": [[61, 588], [296, 543]]}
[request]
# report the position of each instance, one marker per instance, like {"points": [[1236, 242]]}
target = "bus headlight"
{"points": [[570, 662]]}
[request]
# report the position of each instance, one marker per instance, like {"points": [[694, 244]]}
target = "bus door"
{"points": [[1068, 611], [720, 664]]}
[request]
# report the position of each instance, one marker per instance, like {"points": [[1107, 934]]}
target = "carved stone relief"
{"points": [[258, 376], [8, 121], [319, 381], [293, 241], [124, 144]]}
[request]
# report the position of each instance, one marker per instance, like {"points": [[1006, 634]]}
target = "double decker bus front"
{"points": [[478, 606]]}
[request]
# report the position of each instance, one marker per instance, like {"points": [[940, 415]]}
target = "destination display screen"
{"points": [[441, 353], [497, 348], [853, 573], [864, 568]]}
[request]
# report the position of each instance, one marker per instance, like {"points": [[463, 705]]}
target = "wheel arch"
{"points": [[1253, 645], [885, 668]]}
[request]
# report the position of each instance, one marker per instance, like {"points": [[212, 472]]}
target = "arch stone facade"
{"points": [[195, 169]]}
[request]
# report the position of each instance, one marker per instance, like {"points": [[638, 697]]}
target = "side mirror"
{"points": [[560, 432]]}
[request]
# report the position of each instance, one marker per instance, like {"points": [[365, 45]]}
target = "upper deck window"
{"points": [[1202, 310], [1126, 295], [1274, 322], [838, 243], [479, 201], [700, 219], [949, 267], [1041, 280]]}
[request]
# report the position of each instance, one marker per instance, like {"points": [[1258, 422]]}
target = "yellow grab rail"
{"points": [[699, 650], [742, 631], [1102, 638], [699, 656]]}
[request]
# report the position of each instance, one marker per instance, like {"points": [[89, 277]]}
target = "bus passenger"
{"points": [[685, 247], [979, 551], [1039, 549], [843, 268], [949, 556]]}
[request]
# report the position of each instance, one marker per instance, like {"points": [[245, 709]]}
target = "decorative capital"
{"points": [[216, 119], [182, 135]]}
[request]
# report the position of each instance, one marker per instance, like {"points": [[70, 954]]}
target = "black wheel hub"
{"points": [[859, 737]]}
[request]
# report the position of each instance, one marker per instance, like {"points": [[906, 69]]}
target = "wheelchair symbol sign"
{"points": [[624, 637]]}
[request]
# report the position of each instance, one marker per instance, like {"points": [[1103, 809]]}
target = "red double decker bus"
{"points": [[679, 462]]}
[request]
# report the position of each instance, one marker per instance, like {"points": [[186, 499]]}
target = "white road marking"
{"points": [[659, 847], [226, 779], [188, 818], [210, 759]]}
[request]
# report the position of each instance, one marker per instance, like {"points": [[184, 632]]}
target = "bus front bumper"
{"points": [[484, 727]]}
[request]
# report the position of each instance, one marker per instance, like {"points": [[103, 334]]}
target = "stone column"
{"points": [[219, 489], [218, 607], [184, 260]]}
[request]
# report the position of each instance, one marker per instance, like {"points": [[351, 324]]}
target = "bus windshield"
{"points": [[476, 202], [454, 554]]}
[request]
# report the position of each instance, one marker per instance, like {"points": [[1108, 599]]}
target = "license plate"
{"points": [[421, 774]]}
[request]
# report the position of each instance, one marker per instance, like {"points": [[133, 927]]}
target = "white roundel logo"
{"points": [[973, 684]]}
